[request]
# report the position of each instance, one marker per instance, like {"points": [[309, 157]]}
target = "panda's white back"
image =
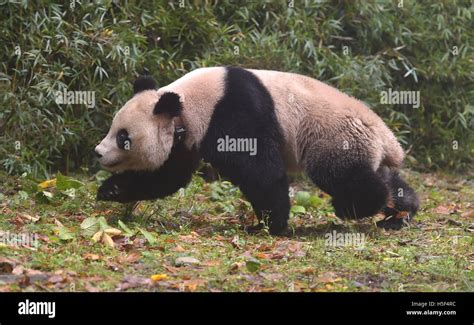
{"points": [[311, 110], [308, 111]]}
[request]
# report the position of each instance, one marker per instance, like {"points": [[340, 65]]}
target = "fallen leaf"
{"points": [[186, 261], [18, 270], [47, 183], [171, 269], [106, 239], [63, 232], [158, 277], [288, 249], [112, 231], [129, 258], [189, 285], [328, 277], [273, 276], [17, 221], [192, 285], [133, 281], [97, 236], [91, 257], [265, 247], [308, 271], [30, 218], [6, 265], [468, 214], [90, 226], [212, 263], [192, 238], [263, 256], [235, 266], [179, 249], [442, 210], [57, 278]]}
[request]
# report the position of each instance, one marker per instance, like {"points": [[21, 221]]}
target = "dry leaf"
{"points": [[132, 281], [30, 218], [6, 265], [47, 183], [442, 210], [468, 214], [328, 277], [186, 261], [106, 239], [57, 278], [179, 249], [92, 257], [171, 269], [129, 258], [112, 231], [158, 277], [97, 236], [192, 285]]}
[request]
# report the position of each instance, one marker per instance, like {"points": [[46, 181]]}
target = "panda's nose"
{"points": [[97, 154]]}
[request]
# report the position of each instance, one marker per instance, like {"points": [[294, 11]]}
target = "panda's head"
{"points": [[142, 132]]}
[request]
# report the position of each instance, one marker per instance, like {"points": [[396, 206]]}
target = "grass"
{"points": [[205, 221]]}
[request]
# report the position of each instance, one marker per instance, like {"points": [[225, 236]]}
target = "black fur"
{"points": [[403, 199], [129, 186], [356, 189], [168, 103], [247, 111], [143, 83]]}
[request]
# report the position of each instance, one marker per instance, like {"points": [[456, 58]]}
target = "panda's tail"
{"points": [[393, 151]]}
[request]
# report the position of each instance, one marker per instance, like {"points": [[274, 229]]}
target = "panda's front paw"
{"points": [[116, 188], [108, 192], [396, 222]]}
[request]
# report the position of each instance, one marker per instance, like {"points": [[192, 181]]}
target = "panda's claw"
{"points": [[105, 193]]}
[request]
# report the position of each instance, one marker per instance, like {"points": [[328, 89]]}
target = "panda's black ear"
{"points": [[143, 83], [169, 103]]}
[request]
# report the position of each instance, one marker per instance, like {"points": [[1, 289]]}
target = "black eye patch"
{"points": [[123, 141]]}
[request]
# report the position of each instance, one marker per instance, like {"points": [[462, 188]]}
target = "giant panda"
{"points": [[158, 137]]}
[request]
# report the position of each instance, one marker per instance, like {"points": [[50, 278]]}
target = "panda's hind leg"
{"points": [[356, 189]]}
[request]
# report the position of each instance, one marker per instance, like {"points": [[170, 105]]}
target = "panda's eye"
{"points": [[123, 141]]}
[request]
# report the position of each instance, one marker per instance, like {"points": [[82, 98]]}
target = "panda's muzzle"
{"points": [[111, 165], [106, 163]]}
